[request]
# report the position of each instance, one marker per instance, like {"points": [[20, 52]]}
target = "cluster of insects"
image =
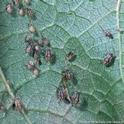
{"points": [[21, 6], [36, 48], [62, 91], [63, 95], [109, 57]]}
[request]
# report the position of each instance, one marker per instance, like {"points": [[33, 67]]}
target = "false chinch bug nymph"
{"points": [[32, 67], [67, 75], [109, 59], [2, 108], [44, 42], [28, 38], [21, 12], [17, 104], [40, 42], [16, 2], [36, 55], [27, 1], [31, 28], [36, 72], [9, 8], [109, 34], [49, 55], [37, 49], [30, 45], [30, 13], [38, 61], [71, 56], [29, 50], [75, 98], [62, 94]]}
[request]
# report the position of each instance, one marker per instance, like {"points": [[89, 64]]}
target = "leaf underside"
{"points": [[70, 25]]}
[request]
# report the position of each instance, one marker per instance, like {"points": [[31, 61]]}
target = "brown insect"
{"points": [[36, 72], [28, 39], [21, 12], [9, 8], [49, 55], [29, 49], [44, 42], [40, 42], [30, 12], [2, 108], [71, 56], [75, 98], [109, 34], [27, 1], [30, 44], [36, 55], [62, 94], [16, 2], [31, 28], [109, 59], [17, 104], [32, 67], [38, 61], [37, 49], [67, 75]]}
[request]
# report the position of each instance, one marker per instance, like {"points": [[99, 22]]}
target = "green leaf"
{"points": [[70, 25]]}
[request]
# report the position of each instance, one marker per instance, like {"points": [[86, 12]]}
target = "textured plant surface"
{"points": [[70, 25]]}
